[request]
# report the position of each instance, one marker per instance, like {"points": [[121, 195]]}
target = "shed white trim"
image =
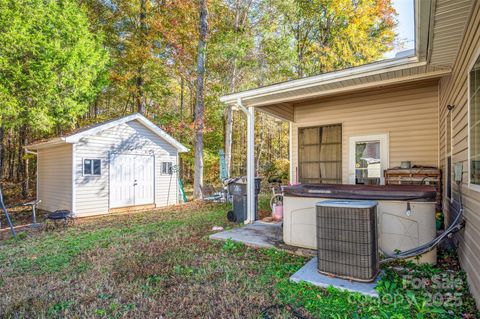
{"points": [[75, 137], [74, 181]]}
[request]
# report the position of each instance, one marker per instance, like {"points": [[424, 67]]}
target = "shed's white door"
{"points": [[131, 180], [143, 180]]}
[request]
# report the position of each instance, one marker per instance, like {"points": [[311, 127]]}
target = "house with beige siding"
{"points": [[423, 108], [123, 163]]}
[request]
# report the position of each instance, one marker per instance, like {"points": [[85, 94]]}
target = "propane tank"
{"points": [[278, 211]]}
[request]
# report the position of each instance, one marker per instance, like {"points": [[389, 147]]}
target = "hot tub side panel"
{"points": [[397, 229], [300, 222]]}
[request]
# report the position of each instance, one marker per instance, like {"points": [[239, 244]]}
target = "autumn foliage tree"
{"points": [[291, 39], [330, 35], [149, 51]]}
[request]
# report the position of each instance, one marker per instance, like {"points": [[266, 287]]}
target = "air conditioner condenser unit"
{"points": [[347, 239]]}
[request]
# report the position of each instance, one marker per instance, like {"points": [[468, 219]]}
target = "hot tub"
{"points": [[406, 214]]}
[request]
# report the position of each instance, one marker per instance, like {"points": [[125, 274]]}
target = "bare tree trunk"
{"points": [[299, 55], [228, 140], [229, 117], [192, 101], [11, 156], [95, 109], [140, 79], [260, 145], [2, 150], [200, 103], [229, 123], [182, 96], [22, 161]]}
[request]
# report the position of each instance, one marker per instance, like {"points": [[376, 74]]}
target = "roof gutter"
{"points": [[433, 6]]}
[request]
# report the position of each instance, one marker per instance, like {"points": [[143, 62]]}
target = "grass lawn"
{"points": [[162, 265]]}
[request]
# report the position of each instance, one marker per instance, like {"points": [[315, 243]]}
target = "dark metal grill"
{"points": [[347, 239]]}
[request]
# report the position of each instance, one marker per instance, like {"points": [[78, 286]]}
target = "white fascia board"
{"points": [[346, 89], [326, 78], [46, 144]]}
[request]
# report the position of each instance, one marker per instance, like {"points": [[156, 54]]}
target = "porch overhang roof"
{"points": [[278, 99]]}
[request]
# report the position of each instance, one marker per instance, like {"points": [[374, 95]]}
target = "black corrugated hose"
{"points": [[457, 224]]}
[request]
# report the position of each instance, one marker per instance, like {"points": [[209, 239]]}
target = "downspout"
{"points": [[293, 176], [250, 113]]}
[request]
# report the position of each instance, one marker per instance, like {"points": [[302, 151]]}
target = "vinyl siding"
{"points": [[408, 113], [92, 192], [54, 178], [454, 91], [448, 22]]}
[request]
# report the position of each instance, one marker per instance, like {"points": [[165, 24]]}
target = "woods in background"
{"points": [[66, 64], [52, 67]]}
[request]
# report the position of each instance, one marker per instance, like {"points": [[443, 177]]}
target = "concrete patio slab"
{"points": [[258, 234], [310, 274]]}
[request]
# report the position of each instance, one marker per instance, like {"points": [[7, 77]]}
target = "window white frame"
{"points": [[91, 166], [384, 154], [171, 168], [449, 154], [471, 186]]}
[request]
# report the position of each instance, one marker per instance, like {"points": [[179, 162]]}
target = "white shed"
{"points": [[127, 162]]}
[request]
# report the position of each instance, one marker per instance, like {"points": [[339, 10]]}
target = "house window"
{"points": [[167, 168], [320, 154], [368, 162], [448, 148], [474, 120], [92, 167]]}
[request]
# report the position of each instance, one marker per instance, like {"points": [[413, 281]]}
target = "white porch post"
{"points": [[250, 113], [251, 165], [290, 153]]}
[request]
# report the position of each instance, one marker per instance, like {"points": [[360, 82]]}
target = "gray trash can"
{"points": [[238, 190]]}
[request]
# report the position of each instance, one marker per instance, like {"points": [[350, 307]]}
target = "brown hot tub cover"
{"points": [[377, 192]]}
